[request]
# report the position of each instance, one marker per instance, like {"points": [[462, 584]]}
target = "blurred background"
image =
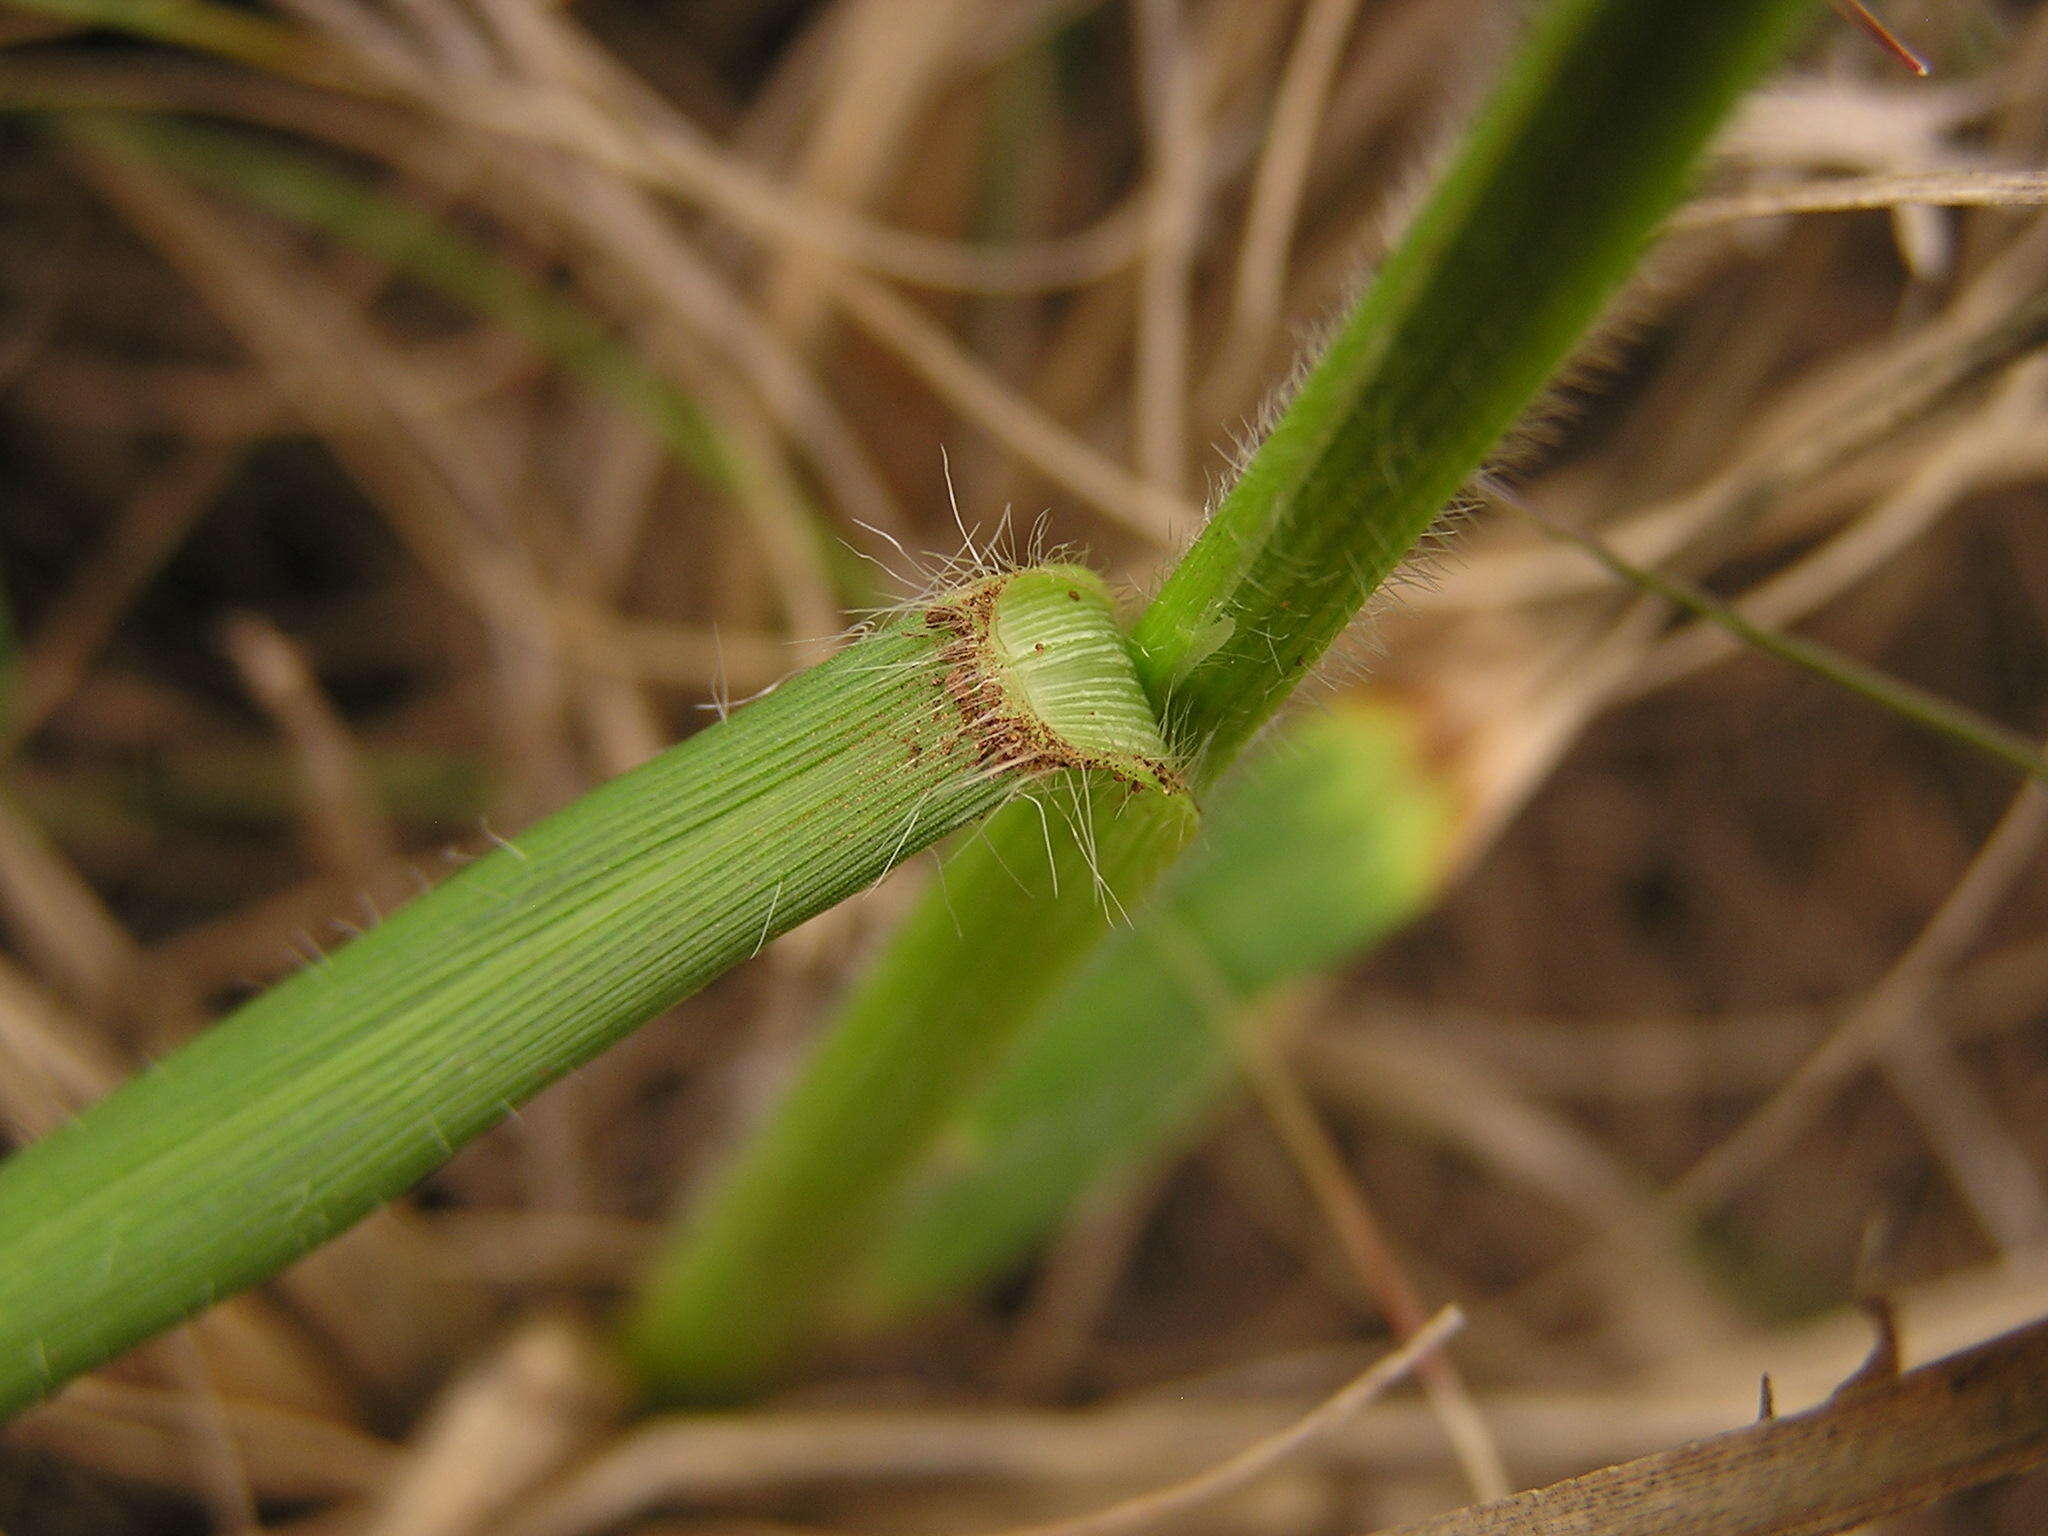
{"points": [[414, 413]]}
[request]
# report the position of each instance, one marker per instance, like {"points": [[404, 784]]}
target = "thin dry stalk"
{"points": [[1174, 145], [1923, 189], [1155, 514], [1882, 1445], [1436, 1091], [221, 1473], [1074, 1288], [59, 919], [1892, 1007], [509, 1421], [621, 127], [143, 535], [348, 829], [888, 58], [1277, 188], [1369, 1251], [1150, 1510], [51, 1064]]}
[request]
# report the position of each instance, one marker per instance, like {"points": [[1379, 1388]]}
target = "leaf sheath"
{"points": [[336, 1090], [1586, 145]]}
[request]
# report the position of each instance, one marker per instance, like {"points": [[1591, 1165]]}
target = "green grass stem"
{"points": [[1328, 837], [737, 1293], [333, 1092], [1588, 143]]}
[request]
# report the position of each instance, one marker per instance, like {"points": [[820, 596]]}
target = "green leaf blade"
{"points": [[339, 1088], [1588, 144]]}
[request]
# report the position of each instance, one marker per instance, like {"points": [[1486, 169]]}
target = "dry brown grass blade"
{"points": [[1065, 459], [51, 1065], [1149, 1510], [1075, 1283], [1174, 148], [1041, 1458], [221, 1476], [1278, 184], [614, 122], [1651, 1057], [1362, 1238], [1928, 189], [2008, 434], [618, 1484], [1891, 1008], [638, 252], [1847, 410], [888, 58], [507, 1421], [1877, 1448], [347, 828], [1438, 1091], [140, 1432], [59, 919]]}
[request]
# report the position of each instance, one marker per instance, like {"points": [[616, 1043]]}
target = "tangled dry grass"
{"points": [[1736, 1012]]}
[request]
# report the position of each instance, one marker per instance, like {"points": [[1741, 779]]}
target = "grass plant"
{"points": [[412, 416], [331, 1093], [1583, 148], [1325, 839]]}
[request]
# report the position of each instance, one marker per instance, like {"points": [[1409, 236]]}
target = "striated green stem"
{"points": [[338, 1089], [1585, 146], [1333, 834], [737, 1290]]}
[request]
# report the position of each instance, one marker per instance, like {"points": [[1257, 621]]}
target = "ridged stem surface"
{"points": [[337, 1089], [1585, 146]]}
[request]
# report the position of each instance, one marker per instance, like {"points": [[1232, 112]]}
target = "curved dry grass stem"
{"points": [[510, 1420], [1174, 147], [1408, 1078], [1149, 1510], [887, 59], [2010, 425], [615, 122], [1278, 183], [51, 1064], [1891, 1008], [346, 825], [1842, 413], [1368, 1250], [1146, 509], [1884, 1444], [1359, 1234], [61, 922], [221, 1470], [1926, 189]]}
